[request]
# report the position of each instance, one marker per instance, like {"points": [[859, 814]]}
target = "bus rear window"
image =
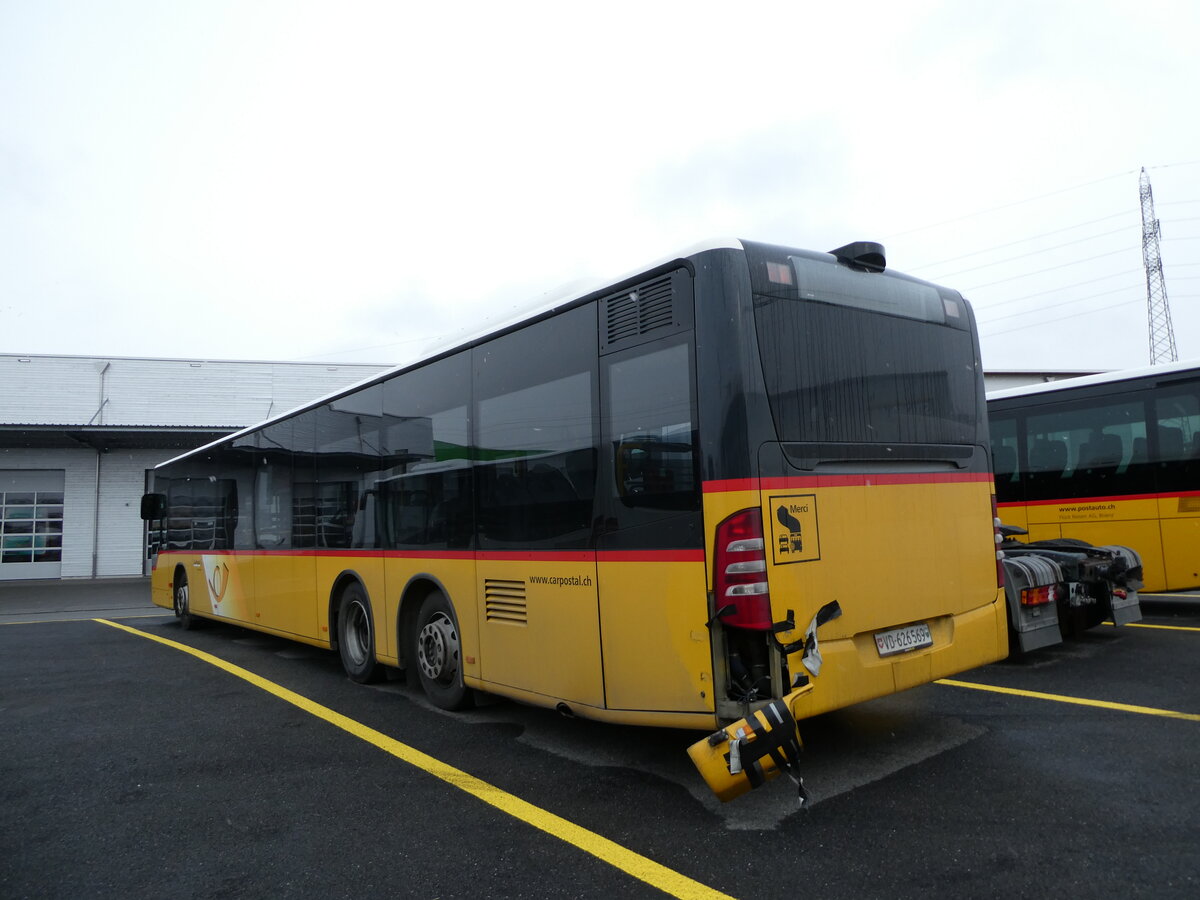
{"points": [[840, 373]]}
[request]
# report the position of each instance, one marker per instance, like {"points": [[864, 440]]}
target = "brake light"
{"points": [[997, 537], [740, 571], [1039, 596]]}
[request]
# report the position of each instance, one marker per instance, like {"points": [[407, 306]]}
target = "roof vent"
{"points": [[866, 255]]}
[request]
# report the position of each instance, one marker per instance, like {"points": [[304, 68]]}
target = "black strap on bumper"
{"points": [[774, 735]]}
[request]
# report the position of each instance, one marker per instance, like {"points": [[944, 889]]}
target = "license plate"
{"points": [[902, 640]]}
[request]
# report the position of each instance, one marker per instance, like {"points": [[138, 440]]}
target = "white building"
{"points": [[78, 436]]}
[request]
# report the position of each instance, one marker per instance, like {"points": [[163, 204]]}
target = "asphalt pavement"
{"points": [[135, 761], [76, 598]]}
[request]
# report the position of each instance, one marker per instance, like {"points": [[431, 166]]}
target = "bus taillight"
{"points": [[998, 537], [740, 572]]}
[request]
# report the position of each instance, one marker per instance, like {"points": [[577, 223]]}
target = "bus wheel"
{"points": [[179, 599], [356, 637], [438, 654]]}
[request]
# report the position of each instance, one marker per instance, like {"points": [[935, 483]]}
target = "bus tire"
{"points": [[356, 637], [181, 603], [436, 652]]}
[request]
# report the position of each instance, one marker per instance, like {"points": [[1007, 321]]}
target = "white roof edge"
{"points": [[541, 306], [324, 398], [1087, 380], [553, 299], [202, 360]]}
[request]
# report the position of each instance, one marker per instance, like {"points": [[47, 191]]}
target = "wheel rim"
{"points": [[357, 638], [181, 600], [437, 649]]}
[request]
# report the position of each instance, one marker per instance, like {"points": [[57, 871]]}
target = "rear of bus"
{"points": [[850, 474]]}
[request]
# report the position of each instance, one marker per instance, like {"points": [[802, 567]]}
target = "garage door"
{"points": [[31, 523]]}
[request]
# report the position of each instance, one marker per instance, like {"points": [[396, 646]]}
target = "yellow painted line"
{"points": [[1078, 701], [1163, 627], [658, 876], [84, 619]]}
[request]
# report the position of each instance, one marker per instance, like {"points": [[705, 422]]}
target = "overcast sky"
{"points": [[348, 181]]}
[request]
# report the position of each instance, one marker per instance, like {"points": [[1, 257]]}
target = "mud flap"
{"points": [[1126, 609], [752, 751]]}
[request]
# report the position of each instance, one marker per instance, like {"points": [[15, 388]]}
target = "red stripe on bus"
{"points": [[535, 555], [556, 556], [866, 480], [651, 556]]}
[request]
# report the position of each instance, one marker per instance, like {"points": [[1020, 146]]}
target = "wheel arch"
{"points": [[338, 590], [417, 588]]}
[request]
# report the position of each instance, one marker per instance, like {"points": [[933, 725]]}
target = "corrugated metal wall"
{"points": [[68, 390], [121, 535]]}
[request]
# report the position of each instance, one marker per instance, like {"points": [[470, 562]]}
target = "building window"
{"points": [[31, 526]]}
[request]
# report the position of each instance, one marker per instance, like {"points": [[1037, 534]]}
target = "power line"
{"points": [[1074, 262], [1009, 259], [1029, 312], [1054, 290], [1021, 241], [1059, 319], [993, 209]]}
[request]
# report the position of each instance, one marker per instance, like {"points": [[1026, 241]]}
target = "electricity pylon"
{"points": [[1162, 335]]}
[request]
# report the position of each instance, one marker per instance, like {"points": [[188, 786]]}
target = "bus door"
{"points": [[284, 566], [653, 601]]}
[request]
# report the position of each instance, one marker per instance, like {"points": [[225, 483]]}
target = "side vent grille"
{"points": [[504, 601], [647, 311], [643, 309]]}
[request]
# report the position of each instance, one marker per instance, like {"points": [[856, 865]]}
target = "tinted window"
{"points": [[839, 374], [1006, 459], [1176, 439], [1087, 449], [236, 462], [651, 482], [422, 498], [535, 433], [273, 489], [201, 513], [346, 437], [654, 439]]}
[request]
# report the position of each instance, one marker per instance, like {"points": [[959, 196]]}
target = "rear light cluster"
{"points": [[740, 571], [1039, 596], [997, 537]]}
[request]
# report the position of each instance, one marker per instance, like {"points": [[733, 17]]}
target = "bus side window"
{"points": [[1005, 463], [273, 489], [1175, 451], [650, 471], [534, 434], [654, 443]]}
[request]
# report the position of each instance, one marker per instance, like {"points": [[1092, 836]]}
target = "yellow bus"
{"points": [[1108, 459], [631, 506]]}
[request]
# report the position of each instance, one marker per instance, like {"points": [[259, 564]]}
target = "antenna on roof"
{"points": [[866, 255]]}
